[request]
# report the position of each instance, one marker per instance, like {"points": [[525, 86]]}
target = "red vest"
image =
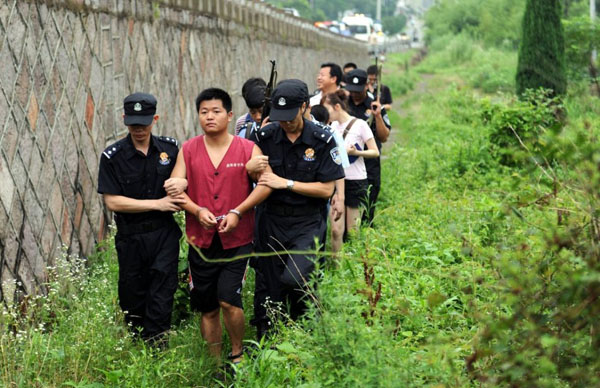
{"points": [[218, 190]]}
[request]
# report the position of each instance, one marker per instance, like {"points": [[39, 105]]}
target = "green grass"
{"points": [[443, 234], [487, 69]]}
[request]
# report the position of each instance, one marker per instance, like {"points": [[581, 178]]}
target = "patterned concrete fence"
{"points": [[65, 66]]}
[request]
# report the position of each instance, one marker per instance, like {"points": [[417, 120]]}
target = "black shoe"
{"points": [[159, 341], [262, 331]]}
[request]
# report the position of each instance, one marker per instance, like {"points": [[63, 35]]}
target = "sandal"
{"points": [[232, 357]]}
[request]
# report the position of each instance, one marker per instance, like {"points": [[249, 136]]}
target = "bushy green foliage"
{"points": [[581, 37], [75, 335], [520, 129], [542, 50], [546, 334], [494, 22], [577, 8], [398, 74], [393, 24], [488, 69]]}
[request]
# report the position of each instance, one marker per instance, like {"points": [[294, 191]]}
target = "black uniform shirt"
{"points": [[128, 172], [360, 111], [313, 157]]}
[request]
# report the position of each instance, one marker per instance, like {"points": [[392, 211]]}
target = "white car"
{"points": [[292, 11]]}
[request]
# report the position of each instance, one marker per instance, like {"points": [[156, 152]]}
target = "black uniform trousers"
{"points": [[281, 279], [148, 264], [374, 180]]}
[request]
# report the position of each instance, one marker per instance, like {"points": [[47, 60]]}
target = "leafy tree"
{"points": [[581, 37], [495, 22], [542, 49], [393, 24], [576, 8]]}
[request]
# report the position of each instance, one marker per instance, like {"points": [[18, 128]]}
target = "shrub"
{"points": [[545, 331], [581, 36], [517, 128], [494, 22]]}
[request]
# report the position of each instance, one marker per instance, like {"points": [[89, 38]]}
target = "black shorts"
{"points": [[220, 281], [355, 192]]}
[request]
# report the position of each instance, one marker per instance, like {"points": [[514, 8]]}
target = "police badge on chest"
{"points": [[164, 159], [309, 155]]}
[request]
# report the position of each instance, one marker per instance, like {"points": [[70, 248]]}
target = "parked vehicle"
{"points": [[360, 26], [292, 11]]}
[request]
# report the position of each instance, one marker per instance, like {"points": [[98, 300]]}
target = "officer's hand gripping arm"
{"points": [[310, 189], [122, 204], [175, 186], [179, 171]]}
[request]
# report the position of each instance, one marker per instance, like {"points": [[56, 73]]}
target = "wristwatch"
{"points": [[290, 184]]}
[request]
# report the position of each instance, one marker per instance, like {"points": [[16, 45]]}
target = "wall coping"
{"points": [[255, 16]]}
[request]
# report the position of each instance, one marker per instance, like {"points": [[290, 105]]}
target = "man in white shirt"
{"points": [[328, 81]]}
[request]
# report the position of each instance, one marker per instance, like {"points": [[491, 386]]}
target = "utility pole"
{"points": [[593, 20], [378, 13]]}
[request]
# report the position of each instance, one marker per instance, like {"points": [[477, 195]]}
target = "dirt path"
{"points": [[399, 105]]}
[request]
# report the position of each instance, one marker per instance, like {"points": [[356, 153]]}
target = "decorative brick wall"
{"points": [[65, 67]]}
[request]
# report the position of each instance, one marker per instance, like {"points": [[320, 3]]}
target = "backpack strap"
{"points": [[348, 127]]}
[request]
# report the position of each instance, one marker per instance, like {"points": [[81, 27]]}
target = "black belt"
{"points": [[143, 227], [292, 211]]}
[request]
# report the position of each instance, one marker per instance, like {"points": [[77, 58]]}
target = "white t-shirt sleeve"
{"points": [[365, 132]]}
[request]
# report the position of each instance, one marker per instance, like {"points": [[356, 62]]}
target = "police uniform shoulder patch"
{"points": [[112, 150], [170, 140], [265, 132], [323, 126], [322, 134], [336, 156]]}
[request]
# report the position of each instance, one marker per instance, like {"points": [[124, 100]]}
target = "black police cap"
{"points": [[287, 98], [356, 80], [139, 108]]}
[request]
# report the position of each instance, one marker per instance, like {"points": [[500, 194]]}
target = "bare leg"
{"points": [[210, 327], [234, 324], [337, 232], [352, 217]]}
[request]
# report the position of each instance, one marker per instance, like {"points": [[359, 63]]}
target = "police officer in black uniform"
{"points": [[305, 163], [363, 105], [134, 181]]}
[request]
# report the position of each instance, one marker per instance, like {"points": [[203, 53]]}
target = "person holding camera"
{"points": [[386, 94]]}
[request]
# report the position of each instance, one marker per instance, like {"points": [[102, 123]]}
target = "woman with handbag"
{"points": [[360, 144]]}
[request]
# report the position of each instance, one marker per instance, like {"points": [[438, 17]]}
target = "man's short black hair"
{"points": [[372, 70], [334, 71], [214, 94], [350, 64]]}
